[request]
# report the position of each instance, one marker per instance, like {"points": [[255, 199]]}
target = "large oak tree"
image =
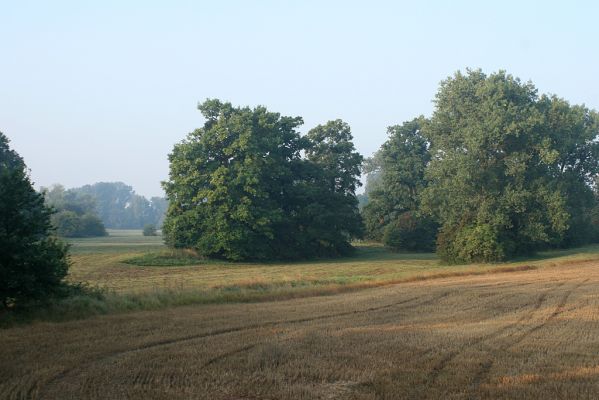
{"points": [[510, 170], [247, 185]]}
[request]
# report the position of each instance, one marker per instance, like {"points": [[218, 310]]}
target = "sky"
{"points": [[96, 91]]}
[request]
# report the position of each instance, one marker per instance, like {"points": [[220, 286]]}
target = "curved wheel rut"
{"points": [[56, 379], [444, 361], [484, 370]]}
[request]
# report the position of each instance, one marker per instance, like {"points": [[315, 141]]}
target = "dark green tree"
{"points": [[410, 231], [229, 181], [400, 167], [32, 262], [75, 214], [149, 230], [337, 219], [240, 188], [571, 132], [497, 153]]}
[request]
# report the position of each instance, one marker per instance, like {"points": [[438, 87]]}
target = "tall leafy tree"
{"points": [[228, 182], [337, 219], [400, 165], [489, 180], [32, 262], [571, 133], [240, 187]]}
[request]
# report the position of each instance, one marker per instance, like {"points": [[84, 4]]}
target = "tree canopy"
{"points": [[119, 207], [75, 214], [33, 262], [247, 185], [501, 170], [509, 171], [392, 213]]}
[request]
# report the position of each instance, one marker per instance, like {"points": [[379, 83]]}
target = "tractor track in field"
{"points": [[497, 340], [444, 361], [485, 368], [44, 387], [144, 378]]}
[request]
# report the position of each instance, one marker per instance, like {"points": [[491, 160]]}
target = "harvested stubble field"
{"points": [[523, 334]]}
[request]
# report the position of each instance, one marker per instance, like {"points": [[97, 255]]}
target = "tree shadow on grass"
{"points": [[581, 251]]}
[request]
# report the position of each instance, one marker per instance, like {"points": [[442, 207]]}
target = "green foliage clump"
{"points": [[33, 262], [396, 177], [149, 230], [248, 186], [71, 224], [479, 243], [410, 232], [503, 171], [75, 214], [510, 171]]}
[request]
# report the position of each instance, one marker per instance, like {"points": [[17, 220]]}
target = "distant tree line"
{"points": [[497, 171], [247, 185], [119, 207], [74, 213], [86, 210]]}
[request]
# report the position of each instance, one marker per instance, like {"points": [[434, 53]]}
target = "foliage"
{"points": [[32, 262], [75, 213], [411, 232], [333, 184], [149, 230], [572, 131], [119, 207], [509, 172], [477, 243], [398, 168], [240, 187]]}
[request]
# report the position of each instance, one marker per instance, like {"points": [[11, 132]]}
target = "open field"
{"points": [[522, 334], [528, 334], [101, 262]]}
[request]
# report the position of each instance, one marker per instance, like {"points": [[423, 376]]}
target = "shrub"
{"points": [[149, 230], [71, 224], [410, 232], [474, 243]]}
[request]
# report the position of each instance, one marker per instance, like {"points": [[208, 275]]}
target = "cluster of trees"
{"points": [[75, 213], [396, 178], [33, 262], [119, 207], [247, 185], [86, 211], [497, 171]]}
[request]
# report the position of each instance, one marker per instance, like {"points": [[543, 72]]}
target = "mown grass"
{"points": [[167, 258], [118, 241], [521, 335], [128, 271]]}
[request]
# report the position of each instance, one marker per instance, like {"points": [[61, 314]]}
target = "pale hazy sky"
{"points": [[100, 91]]}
